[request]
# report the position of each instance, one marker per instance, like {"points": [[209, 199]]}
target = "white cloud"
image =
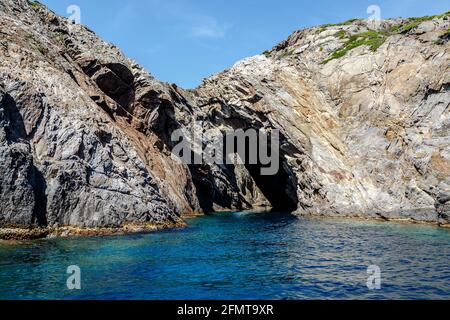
{"points": [[208, 27], [193, 22]]}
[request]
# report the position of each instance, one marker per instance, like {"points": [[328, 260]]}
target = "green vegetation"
{"points": [[325, 26], [415, 22], [61, 38], [341, 34], [267, 53], [375, 39], [41, 50], [34, 4], [287, 53]]}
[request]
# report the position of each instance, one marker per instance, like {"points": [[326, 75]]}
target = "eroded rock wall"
{"points": [[367, 132], [71, 146]]}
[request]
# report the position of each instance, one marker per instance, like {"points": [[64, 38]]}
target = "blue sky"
{"points": [[184, 41]]}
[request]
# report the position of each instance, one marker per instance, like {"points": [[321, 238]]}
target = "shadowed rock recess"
{"points": [[85, 133]]}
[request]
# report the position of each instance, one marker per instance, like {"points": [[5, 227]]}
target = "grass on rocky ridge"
{"points": [[341, 34], [415, 22], [325, 26], [287, 52], [375, 39], [267, 53], [34, 4]]}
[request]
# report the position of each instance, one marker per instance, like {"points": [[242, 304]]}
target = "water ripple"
{"points": [[237, 256]]}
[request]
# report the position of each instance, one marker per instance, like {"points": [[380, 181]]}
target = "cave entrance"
{"points": [[216, 180], [278, 186], [279, 189]]}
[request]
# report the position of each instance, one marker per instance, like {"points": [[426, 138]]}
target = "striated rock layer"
{"points": [[85, 133]]}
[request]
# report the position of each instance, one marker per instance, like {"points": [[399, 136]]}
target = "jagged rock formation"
{"points": [[85, 133], [81, 157], [367, 133]]}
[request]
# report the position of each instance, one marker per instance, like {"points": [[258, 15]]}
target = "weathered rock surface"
{"points": [[85, 133], [366, 134], [71, 154]]}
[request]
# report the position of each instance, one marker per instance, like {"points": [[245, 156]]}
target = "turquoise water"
{"points": [[237, 256]]}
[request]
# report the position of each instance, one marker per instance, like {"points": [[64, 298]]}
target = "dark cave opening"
{"points": [[279, 187]]}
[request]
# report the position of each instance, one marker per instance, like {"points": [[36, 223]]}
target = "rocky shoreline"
{"points": [[14, 235], [36, 233], [406, 221]]}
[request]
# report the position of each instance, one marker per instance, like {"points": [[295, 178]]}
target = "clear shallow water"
{"points": [[237, 256]]}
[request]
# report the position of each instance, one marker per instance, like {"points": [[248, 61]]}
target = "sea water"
{"points": [[238, 256]]}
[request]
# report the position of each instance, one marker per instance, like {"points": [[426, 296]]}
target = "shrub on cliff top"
{"points": [[34, 4], [375, 39]]}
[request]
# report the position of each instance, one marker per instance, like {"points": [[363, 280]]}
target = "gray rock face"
{"points": [[21, 182], [66, 161], [85, 133]]}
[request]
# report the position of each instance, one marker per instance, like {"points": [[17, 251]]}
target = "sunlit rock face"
{"points": [[365, 133], [85, 133]]}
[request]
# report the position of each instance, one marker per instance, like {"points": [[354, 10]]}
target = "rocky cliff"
{"points": [[85, 133]]}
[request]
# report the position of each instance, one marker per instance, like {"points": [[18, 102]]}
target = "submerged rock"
{"points": [[85, 133]]}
